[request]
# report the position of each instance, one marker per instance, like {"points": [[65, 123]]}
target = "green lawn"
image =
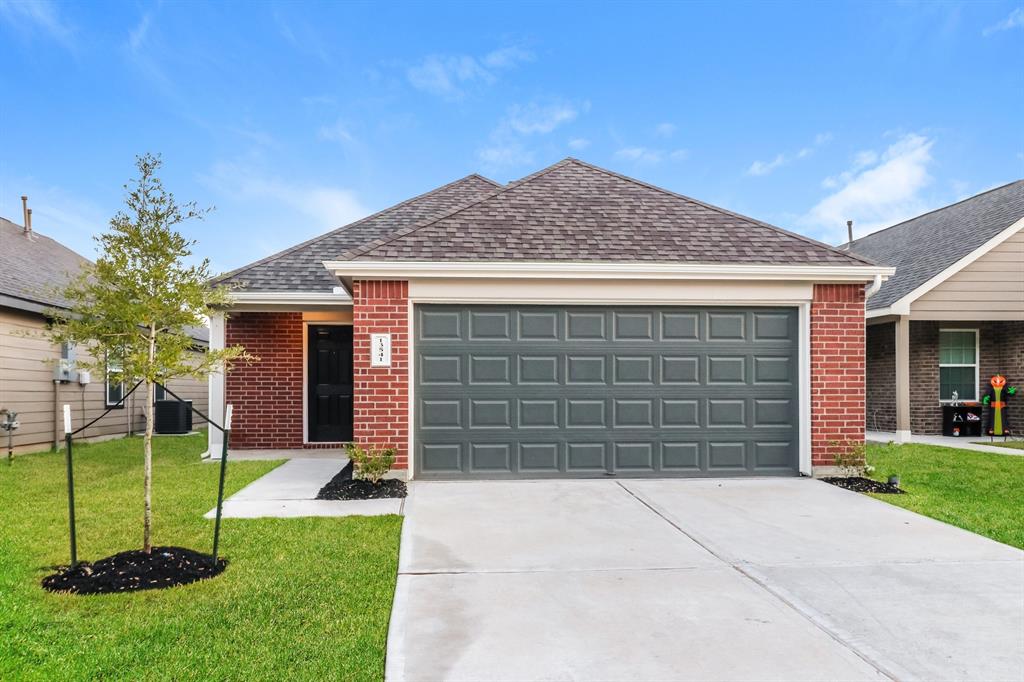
{"points": [[300, 599], [1014, 444], [979, 491]]}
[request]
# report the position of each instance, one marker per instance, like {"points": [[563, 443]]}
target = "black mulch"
{"points": [[344, 487], [135, 570], [863, 485]]}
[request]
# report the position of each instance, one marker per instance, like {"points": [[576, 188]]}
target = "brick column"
{"points": [[837, 369], [381, 394], [267, 395]]}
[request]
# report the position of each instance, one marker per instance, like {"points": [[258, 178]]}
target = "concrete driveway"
{"points": [[694, 580]]}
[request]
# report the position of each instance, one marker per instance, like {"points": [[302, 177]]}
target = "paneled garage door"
{"points": [[583, 391]]}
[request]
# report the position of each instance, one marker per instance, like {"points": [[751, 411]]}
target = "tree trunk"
{"points": [[147, 518]]}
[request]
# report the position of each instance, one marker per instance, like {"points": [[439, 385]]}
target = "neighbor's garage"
{"points": [[586, 391]]}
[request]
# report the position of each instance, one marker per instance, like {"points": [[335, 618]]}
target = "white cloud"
{"points": [[579, 143], [883, 190], [337, 132], [507, 57], [535, 117], [29, 16], [137, 36], [448, 75], [325, 206], [766, 167], [649, 155], [506, 146], [758, 168], [665, 129], [1014, 20]]}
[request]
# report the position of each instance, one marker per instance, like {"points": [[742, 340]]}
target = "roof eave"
{"points": [[366, 269]]}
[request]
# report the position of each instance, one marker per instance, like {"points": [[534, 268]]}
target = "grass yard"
{"points": [[979, 491], [300, 599]]}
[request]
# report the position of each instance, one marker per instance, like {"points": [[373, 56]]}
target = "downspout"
{"points": [[56, 403], [873, 289]]}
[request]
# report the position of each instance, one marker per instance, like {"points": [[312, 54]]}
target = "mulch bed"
{"points": [[344, 487], [135, 570], [863, 485]]}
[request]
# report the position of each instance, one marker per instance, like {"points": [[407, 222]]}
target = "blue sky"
{"points": [[293, 118]]}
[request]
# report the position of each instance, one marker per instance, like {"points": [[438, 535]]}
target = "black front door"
{"points": [[330, 383]]}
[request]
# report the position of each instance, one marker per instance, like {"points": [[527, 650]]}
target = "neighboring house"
{"points": [[951, 316], [573, 323], [32, 266]]}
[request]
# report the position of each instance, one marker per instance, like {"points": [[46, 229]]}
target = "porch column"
{"points": [[903, 379], [215, 405]]}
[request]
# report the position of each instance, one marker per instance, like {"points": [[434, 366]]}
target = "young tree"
{"points": [[135, 306]]}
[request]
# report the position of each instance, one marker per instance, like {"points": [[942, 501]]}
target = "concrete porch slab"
{"points": [[944, 441]]}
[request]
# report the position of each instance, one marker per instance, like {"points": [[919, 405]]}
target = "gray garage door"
{"points": [[538, 391]]}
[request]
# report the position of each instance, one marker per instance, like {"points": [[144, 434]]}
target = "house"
{"points": [[32, 382], [952, 315], [573, 323]]}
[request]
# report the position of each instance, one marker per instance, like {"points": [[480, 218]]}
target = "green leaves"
{"points": [[142, 289]]}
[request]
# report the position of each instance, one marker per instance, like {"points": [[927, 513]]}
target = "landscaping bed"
{"points": [[344, 487], [863, 485], [135, 570]]}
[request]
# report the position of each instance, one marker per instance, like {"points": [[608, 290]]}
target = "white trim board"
{"points": [[902, 306], [349, 270]]}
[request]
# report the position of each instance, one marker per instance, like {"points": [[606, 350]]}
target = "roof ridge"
{"points": [[398, 234], [721, 210], [329, 233], [936, 210]]}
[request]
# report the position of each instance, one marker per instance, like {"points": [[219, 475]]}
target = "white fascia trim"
{"points": [[902, 306], [602, 270], [339, 295]]}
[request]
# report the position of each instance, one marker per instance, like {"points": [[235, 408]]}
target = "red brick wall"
{"points": [[837, 369], [381, 393], [267, 395]]}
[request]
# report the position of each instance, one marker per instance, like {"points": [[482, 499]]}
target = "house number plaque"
{"points": [[380, 350]]}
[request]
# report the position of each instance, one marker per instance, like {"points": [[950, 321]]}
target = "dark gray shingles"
{"points": [[924, 246], [573, 211], [300, 268], [31, 268]]}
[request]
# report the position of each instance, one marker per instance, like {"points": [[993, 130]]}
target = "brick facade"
{"points": [[880, 378], [381, 393], [267, 396], [1001, 349], [837, 370]]}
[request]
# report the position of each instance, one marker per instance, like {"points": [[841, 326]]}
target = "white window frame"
{"points": [[976, 365], [106, 386]]}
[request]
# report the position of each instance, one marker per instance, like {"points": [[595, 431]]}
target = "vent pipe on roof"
{"points": [[24, 213], [849, 232], [28, 224]]}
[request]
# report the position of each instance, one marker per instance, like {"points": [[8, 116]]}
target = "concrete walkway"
{"points": [[946, 442], [693, 580], [290, 491]]}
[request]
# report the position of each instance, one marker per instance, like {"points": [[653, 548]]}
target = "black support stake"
{"points": [[220, 485], [71, 484]]}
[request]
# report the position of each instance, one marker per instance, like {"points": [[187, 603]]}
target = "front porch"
{"points": [[914, 366]]}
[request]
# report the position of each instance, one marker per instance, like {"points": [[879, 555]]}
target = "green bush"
{"points": [[371, 464]]}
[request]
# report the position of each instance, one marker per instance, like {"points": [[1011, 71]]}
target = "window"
{"points": [[958, 363], [159, 393], [115, 383]]}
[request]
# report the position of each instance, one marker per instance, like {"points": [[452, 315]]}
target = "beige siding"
{"points": [[26, 386], [991, 287]]}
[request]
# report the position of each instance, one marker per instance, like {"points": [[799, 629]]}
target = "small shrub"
{"points": [[371, 464], [850, 457]]}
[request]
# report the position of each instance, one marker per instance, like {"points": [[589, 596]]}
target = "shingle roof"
{"points": [[33, 267], [573, 211], [300, 268], [924, 246]]}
